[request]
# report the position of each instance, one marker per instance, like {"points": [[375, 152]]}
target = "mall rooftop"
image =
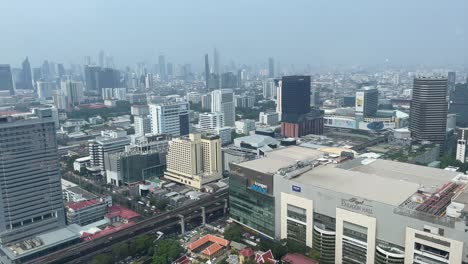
{"points": [[414, 187]]}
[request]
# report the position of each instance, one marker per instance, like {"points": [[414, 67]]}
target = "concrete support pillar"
{"points": [[203, 215], [182, 224]]}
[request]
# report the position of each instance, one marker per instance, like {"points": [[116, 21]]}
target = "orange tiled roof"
{"points": [[212, 249], [208, 238]]}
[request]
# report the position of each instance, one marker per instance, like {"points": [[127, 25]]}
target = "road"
{"points": [[78, 251]]}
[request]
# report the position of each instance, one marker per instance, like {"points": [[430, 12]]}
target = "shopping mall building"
{"points": [[353, 209]]}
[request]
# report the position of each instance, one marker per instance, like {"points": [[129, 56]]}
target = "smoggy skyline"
{"points": [[296, 32]]}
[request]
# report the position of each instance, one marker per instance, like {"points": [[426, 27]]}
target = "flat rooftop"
{"points": [[280, 158], [384, 181]]}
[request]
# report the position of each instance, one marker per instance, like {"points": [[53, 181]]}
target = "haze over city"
{"points": [[294, 32]]}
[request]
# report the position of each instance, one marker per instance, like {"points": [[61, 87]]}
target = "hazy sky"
{"points": [[247, 31]]}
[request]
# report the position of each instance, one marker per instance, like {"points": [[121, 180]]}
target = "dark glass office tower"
{"points": [[6, 79], [459, 104], [207, 70], [295, 97], [428, 110]]}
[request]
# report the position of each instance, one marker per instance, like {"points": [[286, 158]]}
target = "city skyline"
{"points": [[301, 33]]}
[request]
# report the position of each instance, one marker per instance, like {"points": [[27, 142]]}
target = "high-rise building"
{"points": [[462, 141], [269, 89], [297, 119], [228, 80], [170, 69], [459, 104], [222, 101], [162, 67], [6, 80], [279, 98], [45, 90], [73, 91], [30, 188], [101, 146], [216, 62], [142, 125], [194, 160], [98, 78], [101, 56], [170, 118], [367, 101], [206, 101], [295, 97], [271, 67], [451, 80], [26, 76], [213, 123], [428, 111], [207, 70]]}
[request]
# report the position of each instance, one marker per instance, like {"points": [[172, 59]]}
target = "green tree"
{"points": [[233, 233], [160, 204], [167, 251], [120, 251], [102, 259], [143, 243]]}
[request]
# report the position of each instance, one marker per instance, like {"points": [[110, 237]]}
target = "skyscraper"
{"points": [[428, 110], [31, 191], [101, 58], [73, 92], [6, 79], [462, 140], [222, 101], [207, 70], [162, 67], [26, 76], [194, 160], [297, 119], [170, 118], [228, 80], [271, 67], [216, 61], [295, 97], [451, 80], [367, 101], [459, 104]]}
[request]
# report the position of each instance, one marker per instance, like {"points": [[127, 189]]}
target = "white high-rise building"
{"points": [[461, 144], [223, 101], [170, 118], [73, 92], [214, 123], [142, 125], [208, 121], [269, 89], [279, 109], [45, 90], [194, 160]]}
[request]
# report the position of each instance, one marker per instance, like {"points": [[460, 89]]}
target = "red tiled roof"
{"points": [[107, 230], [117, 210], [247, 252], [295, 258], [209, 251], [208, 238], [266, 257], [182, 260], [79, 205]]}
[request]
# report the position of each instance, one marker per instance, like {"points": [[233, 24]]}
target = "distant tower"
{"points": [[428, 111], [101, 58], [222, 101], [216, 61], [6, 79], [26, 75], [271, 67], [207, 70], [162, 67]]}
